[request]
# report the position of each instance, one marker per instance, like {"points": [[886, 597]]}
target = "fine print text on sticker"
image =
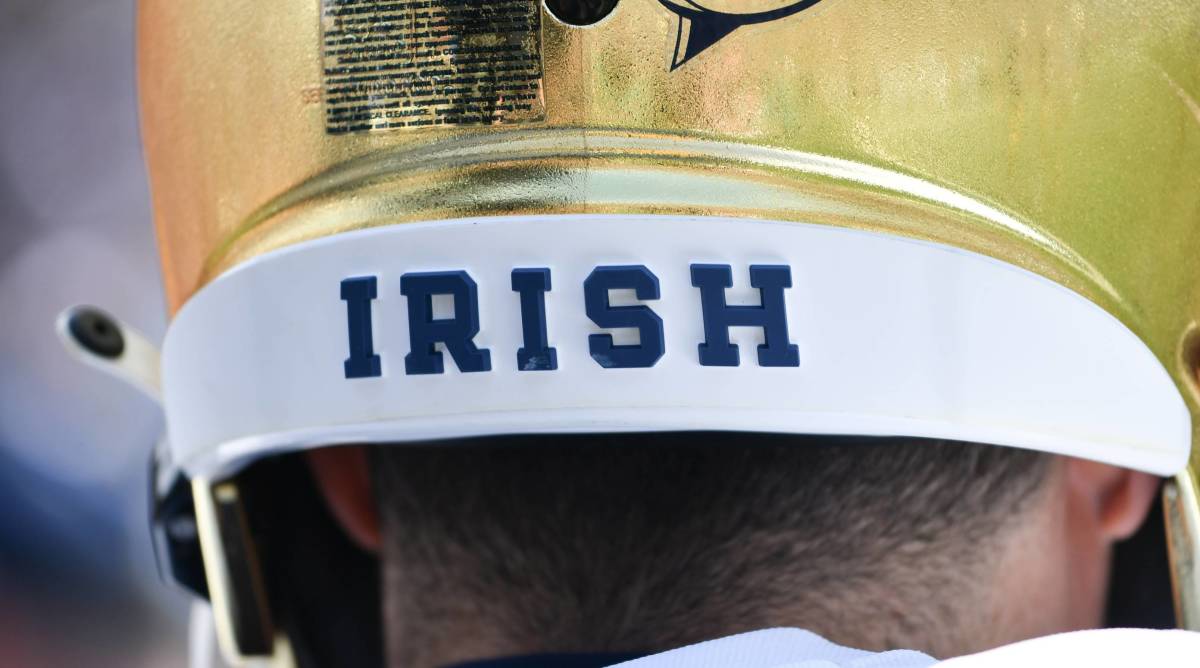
{"points": [[392, 65]]}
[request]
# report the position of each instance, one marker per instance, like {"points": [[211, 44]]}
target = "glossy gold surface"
{"points": [[1063, 137]]}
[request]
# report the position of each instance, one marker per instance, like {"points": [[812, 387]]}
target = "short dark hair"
{"points": [[634, 542]]}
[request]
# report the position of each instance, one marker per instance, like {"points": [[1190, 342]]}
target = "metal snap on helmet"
{"points": [[391, 221]]}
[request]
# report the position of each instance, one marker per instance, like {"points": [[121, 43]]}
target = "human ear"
{"points": [[341, 474], [1118, 497]]}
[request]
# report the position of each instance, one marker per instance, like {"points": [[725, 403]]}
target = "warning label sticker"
{"points": [[427, 63]]}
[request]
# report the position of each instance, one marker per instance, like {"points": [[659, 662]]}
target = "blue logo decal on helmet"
{"points": [[429, 336], [707, 22]]}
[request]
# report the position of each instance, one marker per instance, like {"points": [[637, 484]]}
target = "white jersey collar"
{"points": [[778, 648]]}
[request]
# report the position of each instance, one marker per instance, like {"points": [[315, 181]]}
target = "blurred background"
{"points": [[78, 583]]}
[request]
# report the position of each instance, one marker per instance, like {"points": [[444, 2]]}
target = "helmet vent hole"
{"points": [[580, 12]]}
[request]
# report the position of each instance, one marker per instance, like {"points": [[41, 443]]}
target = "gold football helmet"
{"points": [[392, 221]]}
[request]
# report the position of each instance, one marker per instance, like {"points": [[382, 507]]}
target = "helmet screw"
{"points": [[97, 332]]}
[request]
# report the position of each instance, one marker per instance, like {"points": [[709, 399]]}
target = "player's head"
{"points": [[794, 255]]}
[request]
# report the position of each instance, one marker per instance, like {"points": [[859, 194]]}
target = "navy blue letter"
{"points": [[454, 333], [358, 293], [649, 325], [771, 315], [536, 354]]}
